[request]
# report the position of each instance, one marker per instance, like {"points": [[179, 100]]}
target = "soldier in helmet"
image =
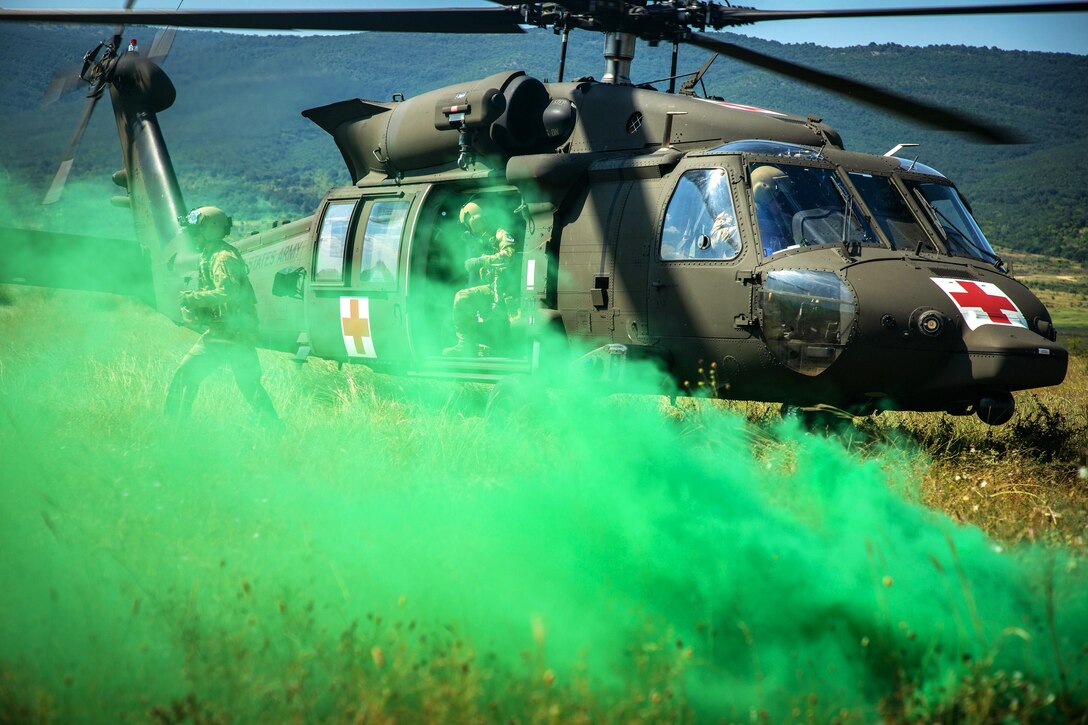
{"points": [[770, 187], [491, 277], [224, 306]]}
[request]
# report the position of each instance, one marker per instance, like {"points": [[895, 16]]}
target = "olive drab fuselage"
{"points": [[647, 225]]}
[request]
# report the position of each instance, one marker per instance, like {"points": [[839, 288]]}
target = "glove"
{"points": [[188, 313]]}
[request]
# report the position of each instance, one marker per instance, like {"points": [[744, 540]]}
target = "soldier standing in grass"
{"points": [[225, 306]]}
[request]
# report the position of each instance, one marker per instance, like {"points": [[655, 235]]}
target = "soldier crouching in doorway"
{"points": [[225, 306], [490, 292]]}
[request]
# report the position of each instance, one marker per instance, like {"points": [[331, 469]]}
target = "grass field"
{"points": [[1062, 285], [396, 557]]}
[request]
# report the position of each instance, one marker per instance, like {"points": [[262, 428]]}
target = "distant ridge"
{"points": [[238, 140]]}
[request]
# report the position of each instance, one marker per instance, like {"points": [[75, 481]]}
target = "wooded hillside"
{"points": [[238, 140]]}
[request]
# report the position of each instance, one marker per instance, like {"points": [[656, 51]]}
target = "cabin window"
{"points": [[330, 255], [700, 222], [381, 243], [808, 317]]}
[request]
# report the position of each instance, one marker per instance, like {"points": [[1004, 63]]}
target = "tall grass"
{"points": [[397, 557]]}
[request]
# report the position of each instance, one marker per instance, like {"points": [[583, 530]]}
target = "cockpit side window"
{"points": [[700, 221], [798, 206]]}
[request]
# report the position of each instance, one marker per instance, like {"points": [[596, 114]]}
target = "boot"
{"points": [[463, 348]]}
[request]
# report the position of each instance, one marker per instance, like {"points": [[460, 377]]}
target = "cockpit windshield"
{"points": [[890, 211], [950, 216], [799, 206]]}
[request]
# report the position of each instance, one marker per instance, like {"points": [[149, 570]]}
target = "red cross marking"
{"points": [[354, 326], [992, 305]]}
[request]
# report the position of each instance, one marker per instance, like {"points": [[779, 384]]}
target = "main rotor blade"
{"points": [[121, 25], [160, 47], [449, 20], [894, 103], [62, 82], [57, 187], [728, 16]]}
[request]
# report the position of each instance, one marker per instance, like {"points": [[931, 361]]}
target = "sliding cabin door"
{"points": [[356, 299]]}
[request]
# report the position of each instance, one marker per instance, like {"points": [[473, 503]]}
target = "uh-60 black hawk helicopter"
{"points": [[686, 230]]}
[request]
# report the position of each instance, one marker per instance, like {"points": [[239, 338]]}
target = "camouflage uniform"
{"points": [[488, 299], [225, 305]]}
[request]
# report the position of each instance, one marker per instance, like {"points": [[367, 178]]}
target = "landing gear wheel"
{"points": [[996, 408]]}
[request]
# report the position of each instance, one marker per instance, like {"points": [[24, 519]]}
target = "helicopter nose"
{"points": [[997, 359], [1007, 355], [954, 339], [996, 346]]}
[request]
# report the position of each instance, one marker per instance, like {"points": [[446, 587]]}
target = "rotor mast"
{"points": [[619, 52]]}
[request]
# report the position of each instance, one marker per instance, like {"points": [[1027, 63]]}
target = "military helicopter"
{"points": [[696, 233]]}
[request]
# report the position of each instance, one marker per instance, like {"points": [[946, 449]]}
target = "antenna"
{"points": [[899, 147], [688, 87]]}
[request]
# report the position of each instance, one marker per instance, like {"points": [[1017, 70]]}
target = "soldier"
{"points": [[770, 187], [488, 299], [224, 306]]}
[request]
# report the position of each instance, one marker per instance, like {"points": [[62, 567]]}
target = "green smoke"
{"points": [[397, 554]]}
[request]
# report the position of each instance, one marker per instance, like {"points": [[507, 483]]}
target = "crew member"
{"points": [[225, 308], [723, 242], [770, 185], [487, 299]]}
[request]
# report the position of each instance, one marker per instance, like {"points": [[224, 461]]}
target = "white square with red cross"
{"points": [[981, 303], [355, 324]]}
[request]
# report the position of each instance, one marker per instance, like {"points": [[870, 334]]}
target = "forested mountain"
{"points": [[238, 139]]}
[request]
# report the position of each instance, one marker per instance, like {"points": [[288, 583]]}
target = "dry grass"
{"points": [[1026, 481]]}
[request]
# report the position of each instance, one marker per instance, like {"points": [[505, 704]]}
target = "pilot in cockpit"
{"points": [[770, 187]]}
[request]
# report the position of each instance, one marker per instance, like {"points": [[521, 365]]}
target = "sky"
{"points": [[1058, 32]]}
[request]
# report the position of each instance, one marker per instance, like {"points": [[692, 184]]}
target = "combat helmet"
{"points": [[211, 220], [768, 179], [471, 215]]}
